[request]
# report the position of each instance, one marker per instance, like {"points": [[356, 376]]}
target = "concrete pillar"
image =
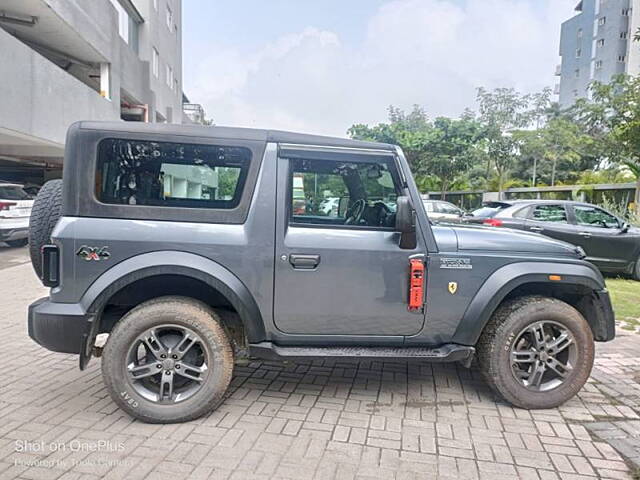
{"points": [[105, 80]]}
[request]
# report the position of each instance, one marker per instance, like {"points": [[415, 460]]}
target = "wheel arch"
{"points": [[580, 286], [175, 264]]}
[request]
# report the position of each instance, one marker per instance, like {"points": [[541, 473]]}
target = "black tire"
{"points": [[185, 312], [503, 331], [17, 243], [636, 270], [46, 211]]}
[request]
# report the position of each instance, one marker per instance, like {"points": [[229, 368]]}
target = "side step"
{"points": [[449, 352]]}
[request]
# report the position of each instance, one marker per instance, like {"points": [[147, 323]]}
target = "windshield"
{"points": [[13, 192], [490, 209]]}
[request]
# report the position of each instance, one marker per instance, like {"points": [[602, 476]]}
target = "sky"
{"points": [[319, 66]]}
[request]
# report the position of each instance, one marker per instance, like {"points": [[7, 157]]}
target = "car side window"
{"points": [[522, 213], [136, 172], [549, 213], [352, 194], [448, 209], [594, 217]]}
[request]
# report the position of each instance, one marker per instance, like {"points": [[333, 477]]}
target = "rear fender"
{"points": [[175, 263]]}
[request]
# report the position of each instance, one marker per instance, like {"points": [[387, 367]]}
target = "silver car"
{"points": [[443, 212]]}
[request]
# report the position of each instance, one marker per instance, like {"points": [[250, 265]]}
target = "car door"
{"points": [[599, 233], [552, 220], [336, 274]]}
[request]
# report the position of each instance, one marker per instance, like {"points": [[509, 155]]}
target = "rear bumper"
{"points": [[59, 327], [13, 233]]}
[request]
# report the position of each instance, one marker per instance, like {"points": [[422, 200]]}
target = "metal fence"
{"points": [[619, 193]]}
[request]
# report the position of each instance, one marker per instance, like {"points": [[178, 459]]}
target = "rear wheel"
{"points": [[17, 243], [636, 270], [536, 352], [168, 360]]}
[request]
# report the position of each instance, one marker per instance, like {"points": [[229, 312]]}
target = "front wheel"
{"points": [[536, 352], [168, 360]]}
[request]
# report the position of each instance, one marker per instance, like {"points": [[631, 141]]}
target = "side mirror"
{"points": [[625, 227], [405, 218]]}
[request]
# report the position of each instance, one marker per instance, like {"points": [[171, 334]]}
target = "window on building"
{"points": [[602, 21], [343, 194], [169, 76], [175, 86], [123, 20], [155, 62], [598, 64], [600, 42], [169, 18], [155, 4], [624, 35], [622, 58], [133, 172], [626, 12], [579, 33], [578, 53], [577, 73]]}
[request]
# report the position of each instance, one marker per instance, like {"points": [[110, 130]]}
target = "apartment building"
{"points": [[596, 44], [68, 60]]}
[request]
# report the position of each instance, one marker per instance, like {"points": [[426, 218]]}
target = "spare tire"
{"points": [[47, 209]]}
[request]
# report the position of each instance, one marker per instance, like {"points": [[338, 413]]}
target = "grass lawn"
{"points": [[625, 295]]}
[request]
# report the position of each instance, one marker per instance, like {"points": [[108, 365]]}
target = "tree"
{"points": [[441, 150], [613, 116]]}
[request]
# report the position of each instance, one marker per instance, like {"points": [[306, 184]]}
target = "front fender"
{"points": [[506, 279], [176, 263]]}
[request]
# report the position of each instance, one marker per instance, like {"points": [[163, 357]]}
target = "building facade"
{"points": [[67, 60], [596, 44]]}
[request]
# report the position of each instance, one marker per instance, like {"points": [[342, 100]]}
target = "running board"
{"points": [[449, 352]]}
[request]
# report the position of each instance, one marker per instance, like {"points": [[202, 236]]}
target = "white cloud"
{"points": [[431, 52]]}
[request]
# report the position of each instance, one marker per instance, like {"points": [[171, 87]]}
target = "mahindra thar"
{"points": [[194, 246]]}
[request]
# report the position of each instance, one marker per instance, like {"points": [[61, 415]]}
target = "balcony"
{"points": [[40, 101]]}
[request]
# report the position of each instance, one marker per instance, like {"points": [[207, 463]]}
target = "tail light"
{"points": [[50, 266], [492, 222], [7, 205]]}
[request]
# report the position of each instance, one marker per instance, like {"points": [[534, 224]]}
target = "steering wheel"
{"points": [[354, 214]]}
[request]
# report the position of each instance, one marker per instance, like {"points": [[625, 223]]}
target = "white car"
{"points": [[15, 209], [440, 211]]}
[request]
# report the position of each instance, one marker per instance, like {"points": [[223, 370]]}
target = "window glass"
{"points": [[136, 172], [595, 217], [522, 213], [428, 206], [490, 209], [448, 208], [13, 192], [343, 193], [550, 213]]}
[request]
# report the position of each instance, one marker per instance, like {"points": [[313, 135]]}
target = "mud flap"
{"points": [[88, 339]]}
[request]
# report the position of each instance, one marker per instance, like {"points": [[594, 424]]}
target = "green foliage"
{"points": [[519, 139]]}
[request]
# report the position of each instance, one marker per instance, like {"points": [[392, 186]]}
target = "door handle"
{"points": [[536, 229], [585, 234], [304, 262]]}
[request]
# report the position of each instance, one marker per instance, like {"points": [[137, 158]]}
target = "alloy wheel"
{"points": [[543, 355], [167, 364]]}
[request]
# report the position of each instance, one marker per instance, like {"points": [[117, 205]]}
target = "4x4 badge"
{"points": [[453, 287], [93, 253]]}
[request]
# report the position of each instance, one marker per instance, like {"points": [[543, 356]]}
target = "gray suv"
{"points": [[192, 247]]}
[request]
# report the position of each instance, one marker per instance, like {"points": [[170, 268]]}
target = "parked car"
{"points": [[443, 212], [15, 209], [183, 284], [609, 242]]}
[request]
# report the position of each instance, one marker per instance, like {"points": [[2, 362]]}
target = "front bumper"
{"points": [[60, 327]]}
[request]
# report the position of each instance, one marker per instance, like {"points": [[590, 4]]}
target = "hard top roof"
{"points": [[236, 133]]}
